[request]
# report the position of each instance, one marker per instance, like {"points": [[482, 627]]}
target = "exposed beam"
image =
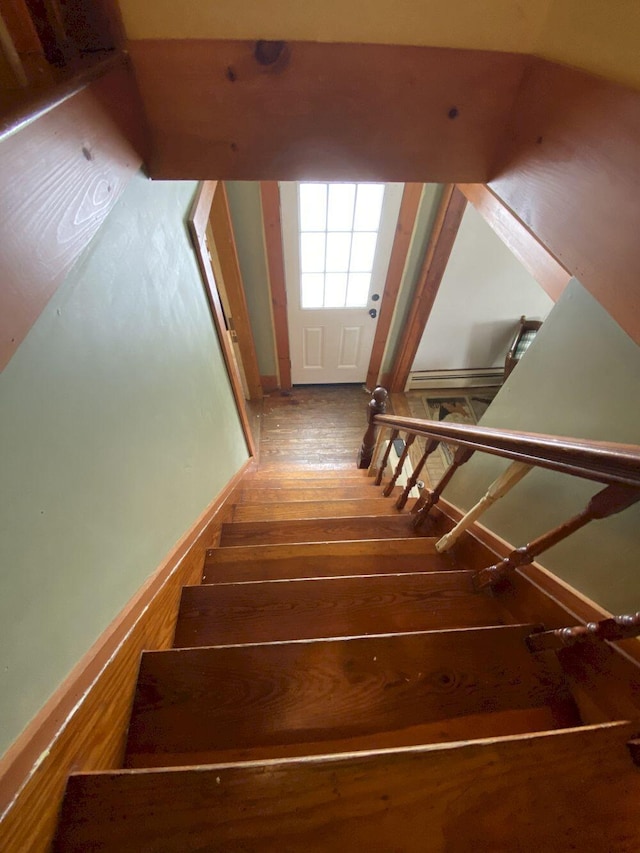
{"points": [[534, 256], [246, 110], [225, 244], [60, 177], [270, 197], [571, 173], [402, 240], [198, 217], [444, 233]]}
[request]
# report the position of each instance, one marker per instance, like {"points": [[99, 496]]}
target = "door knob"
{"points": [[373, 313]]}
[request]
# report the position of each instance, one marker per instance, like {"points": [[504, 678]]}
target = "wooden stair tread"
{"points": [[323, 559], [248, 696], [540, 792], [318, 530], [294, 476], [260, 493], [266, 611], [279, 511], [489, 724]]}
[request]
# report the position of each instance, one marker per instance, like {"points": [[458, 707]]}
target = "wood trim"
{"points": [[441, 242], [73, 164], [269, 383], [270, 196], [198, 218], [84, 724], [570, 170], [225, 243], [403, 235], [534, 256]]}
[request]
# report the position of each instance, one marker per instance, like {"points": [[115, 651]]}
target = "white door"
{"points": [[337, 240]]}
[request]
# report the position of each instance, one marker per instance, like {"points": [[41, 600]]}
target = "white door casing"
{"points": [[333, 345]]}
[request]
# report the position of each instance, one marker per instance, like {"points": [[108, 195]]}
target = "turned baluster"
{"points": [[394, 434], [403, 457], [616, 628], [413, 479], [498, 489], [609, 501], [432, 496], [377, 406]]}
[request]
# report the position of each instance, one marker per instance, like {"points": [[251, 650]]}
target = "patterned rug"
{"points": [[467, 409]]}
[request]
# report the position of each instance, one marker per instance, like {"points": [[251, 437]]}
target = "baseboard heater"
{"points": [[463, 378]]}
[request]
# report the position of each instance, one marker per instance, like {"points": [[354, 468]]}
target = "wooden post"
{"points": [[390, 485], [377, 406], [503, 484], [609, 501], [431, 498], [613, 629], [413, 479], [383, 464]]}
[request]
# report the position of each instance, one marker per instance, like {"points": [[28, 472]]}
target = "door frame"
{"points": [[197, 224]]}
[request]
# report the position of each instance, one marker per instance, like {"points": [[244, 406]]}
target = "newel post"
{"points": [[377, 406]]}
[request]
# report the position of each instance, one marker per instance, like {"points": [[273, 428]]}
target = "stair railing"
{"points": [[617, 466]]}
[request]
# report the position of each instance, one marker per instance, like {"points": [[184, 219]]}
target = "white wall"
{"points": [[483, 293]]}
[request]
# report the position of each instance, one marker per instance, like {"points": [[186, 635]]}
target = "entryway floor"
{"points": [[322, 426]]}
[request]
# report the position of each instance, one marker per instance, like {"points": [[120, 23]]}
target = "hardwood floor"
{"points": [[316, 425]]}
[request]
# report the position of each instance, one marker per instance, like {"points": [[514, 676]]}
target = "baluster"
{"points": [[403, 456], [500, 486], [616, 628], [377, 406], [609, 501], [413, 479], [432, 496], [394, 434]]}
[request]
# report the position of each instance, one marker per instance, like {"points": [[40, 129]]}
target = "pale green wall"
{"points": [[580, 377], [429, 201], [246, 216], [117, 429]]}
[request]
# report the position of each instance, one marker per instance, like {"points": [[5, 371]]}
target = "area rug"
{"points": [[455, 410]]}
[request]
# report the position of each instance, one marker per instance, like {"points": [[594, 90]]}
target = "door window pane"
{"points": [[368, 207], [338, 252], [341, 201], [313, 207], [312, 290], [335, 290], [338, 236], [358, 289], [363, 249], [312, 252]]}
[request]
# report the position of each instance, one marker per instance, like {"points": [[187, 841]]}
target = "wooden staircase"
{"points": [[336, 684]]}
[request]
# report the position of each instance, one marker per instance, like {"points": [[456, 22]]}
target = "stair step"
{"points": [[194, 705], [269, 611], [296, 475], [259, 494], [313, 509], [323, 559], [551, 791], [318, 530]]}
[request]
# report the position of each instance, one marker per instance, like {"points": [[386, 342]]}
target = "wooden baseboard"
{"points": [[83, 726]]}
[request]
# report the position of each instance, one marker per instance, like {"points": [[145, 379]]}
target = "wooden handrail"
{"points": [[602, 461]]}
